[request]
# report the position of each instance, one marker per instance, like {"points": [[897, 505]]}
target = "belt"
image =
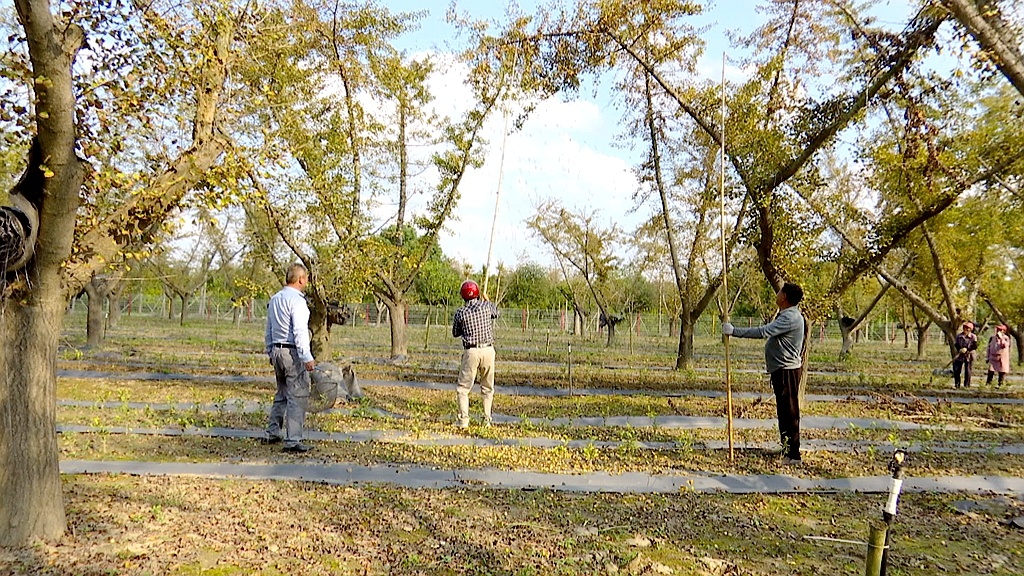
{"points": [[468, 346], [292, 346]]}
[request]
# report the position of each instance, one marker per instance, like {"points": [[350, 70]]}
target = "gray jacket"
{"points": [[785, 339]]}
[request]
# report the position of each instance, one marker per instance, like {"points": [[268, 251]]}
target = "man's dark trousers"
{"points": [[785, 383]]}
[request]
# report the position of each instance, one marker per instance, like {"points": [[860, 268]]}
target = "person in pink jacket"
{"points": [[998, 354]]}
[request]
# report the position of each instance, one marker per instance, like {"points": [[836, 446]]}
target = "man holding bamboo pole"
{"points": [[782, 354], [474, 323]]}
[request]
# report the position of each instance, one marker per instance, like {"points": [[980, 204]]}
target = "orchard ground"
{"points": [[125, 524]]}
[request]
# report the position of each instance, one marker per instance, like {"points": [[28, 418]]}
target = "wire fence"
{"points": [[658, 323]]}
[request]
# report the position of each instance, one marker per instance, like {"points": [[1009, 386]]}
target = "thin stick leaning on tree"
{"points": [[725, 277]]}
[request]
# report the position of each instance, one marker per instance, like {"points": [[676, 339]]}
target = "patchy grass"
{"points": [[533, 358], [560, 459], [183, 526]]}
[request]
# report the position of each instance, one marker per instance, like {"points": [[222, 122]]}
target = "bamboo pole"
{"points": [[876, 547], [570, 368], [725, 276], [497, 197]]}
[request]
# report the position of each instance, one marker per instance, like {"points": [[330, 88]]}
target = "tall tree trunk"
{"points": [[950, 341], [579, 321], [95, 324], [846, 330], [32, 505], [100, 289], [399, 339], [922, 339], [114, 305], [684, 356], [318, 340], [995, 35], [184, 309], [611, 332]]}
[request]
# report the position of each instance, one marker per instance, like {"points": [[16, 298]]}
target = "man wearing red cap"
{"points": [[998, 354], [966, 343], [474, 323]]}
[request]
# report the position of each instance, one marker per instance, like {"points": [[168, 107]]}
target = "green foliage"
{"points": [[438, 282], [530, 285]]}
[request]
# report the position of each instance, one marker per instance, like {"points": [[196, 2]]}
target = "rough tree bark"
{"points": [[983, 21], [95, 326], [99, 290], [686, 283], [114, 304], [30, 319], [399, 339]]}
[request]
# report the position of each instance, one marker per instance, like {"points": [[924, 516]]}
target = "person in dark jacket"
{"points": [[966, 343], [783, 354]]}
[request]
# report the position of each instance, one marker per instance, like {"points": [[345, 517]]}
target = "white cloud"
{"points": [[710, 66], [554, 155], [563, 151]]}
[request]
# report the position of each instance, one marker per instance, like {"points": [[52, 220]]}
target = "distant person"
{"points": [[998, 354], [966, 343], [287, 344], [783, 361], [474, 323]]}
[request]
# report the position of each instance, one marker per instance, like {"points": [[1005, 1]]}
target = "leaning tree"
{"points": [[181, 54]]}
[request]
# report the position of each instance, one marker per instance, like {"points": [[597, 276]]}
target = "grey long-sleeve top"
{"points": [[785, 339]]}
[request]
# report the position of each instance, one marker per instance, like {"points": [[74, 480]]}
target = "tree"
{"points": [[438, 281], [71, 244], [99, 289], [182, 276], [999, 39], [397, 264], [318, 143], [690, 195], [33, 299], [584, 247], [529, 285], [778, 126], [939, 165]]}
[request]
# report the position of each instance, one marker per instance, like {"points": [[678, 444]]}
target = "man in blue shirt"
{"points": [[783, 355], [474, 323], [287, 345]]}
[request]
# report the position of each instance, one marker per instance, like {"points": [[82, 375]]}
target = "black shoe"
{"points": [[298, 448], [271, 440]]}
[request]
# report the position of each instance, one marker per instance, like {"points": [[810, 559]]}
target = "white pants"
{"points": [[476, 361]]}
